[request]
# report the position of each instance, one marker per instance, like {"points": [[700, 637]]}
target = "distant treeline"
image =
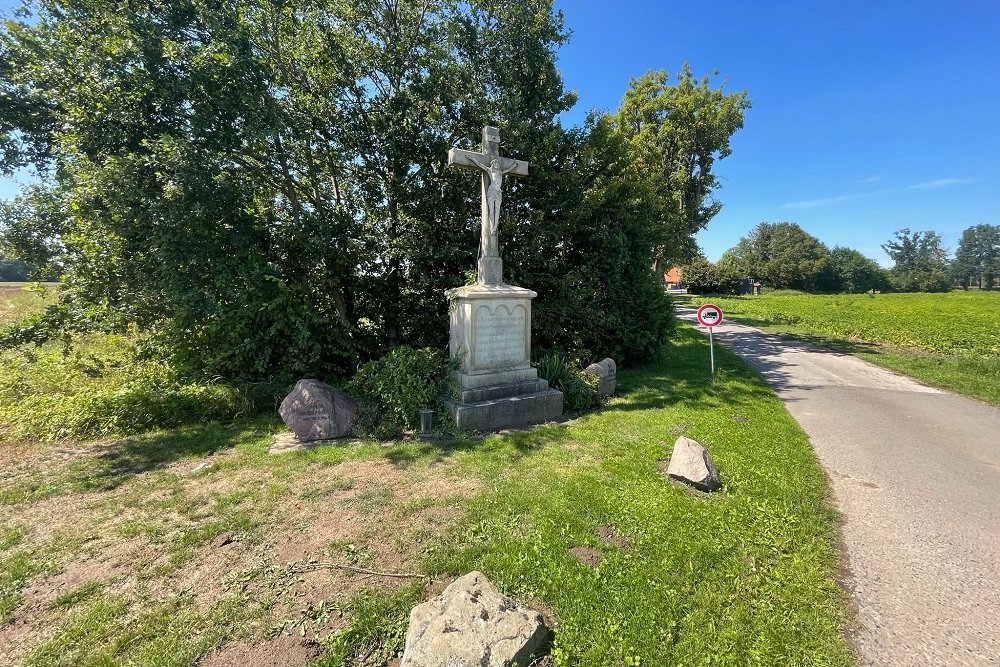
{"points": [[783, 256], [13, 271]]}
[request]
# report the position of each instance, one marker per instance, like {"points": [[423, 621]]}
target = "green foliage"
{"points": [[587, 249], [30, 226], [579, 390], [854, 273], [13, 270], [109, 385], [921, 262], [265, 189], [377, 629], [675, 133], [700, 276], [977, 259], [783, 256], [392, 390]]}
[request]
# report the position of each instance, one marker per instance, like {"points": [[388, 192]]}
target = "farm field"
{"points": [[948, 340], [16, 302], [193, 545]]}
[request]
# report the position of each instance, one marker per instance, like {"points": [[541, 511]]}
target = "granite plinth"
{"points": [[491, 336], [488, 415]]}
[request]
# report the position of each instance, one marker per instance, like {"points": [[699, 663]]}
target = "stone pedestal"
{"points": [[491, 335]]}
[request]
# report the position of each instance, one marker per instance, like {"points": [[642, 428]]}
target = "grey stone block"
{"points": [[472, 624], [496, 413], [503, 390]]}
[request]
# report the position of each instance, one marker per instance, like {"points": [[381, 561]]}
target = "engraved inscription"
{"points": [[500, 337]]}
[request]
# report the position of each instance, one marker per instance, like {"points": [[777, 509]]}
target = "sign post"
{"points": [[710, 316]]}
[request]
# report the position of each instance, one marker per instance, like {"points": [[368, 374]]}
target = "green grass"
{"points": [[948, 340], [742, 576], [20, 300]]}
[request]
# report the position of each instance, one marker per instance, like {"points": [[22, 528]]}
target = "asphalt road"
{"points": [[916, 473]]}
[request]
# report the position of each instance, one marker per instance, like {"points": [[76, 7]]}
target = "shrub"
{"points": [[109, 385], [392, 390], [579, 392]]}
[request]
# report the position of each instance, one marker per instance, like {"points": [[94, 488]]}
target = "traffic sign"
{"points": [[709, 315]]}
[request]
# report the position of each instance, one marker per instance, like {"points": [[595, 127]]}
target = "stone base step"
{"points": [[503, 390], [497, 413]]}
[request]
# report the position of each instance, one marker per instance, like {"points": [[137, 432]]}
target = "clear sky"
{"points": [[867, 116]]}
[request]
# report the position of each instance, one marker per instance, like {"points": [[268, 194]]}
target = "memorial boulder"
{"points": [[316, 411]]}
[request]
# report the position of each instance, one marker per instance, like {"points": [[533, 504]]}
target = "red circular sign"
{"points": [[709, 315]]}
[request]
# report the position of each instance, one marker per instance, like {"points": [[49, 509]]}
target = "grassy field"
{"points": [[194, 545], [946, 340], [16, 302]]}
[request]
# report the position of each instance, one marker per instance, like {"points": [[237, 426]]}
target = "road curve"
{"points": [[916, 473]]}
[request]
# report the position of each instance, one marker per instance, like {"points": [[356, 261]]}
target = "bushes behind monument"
{"points": [[392, 390]]}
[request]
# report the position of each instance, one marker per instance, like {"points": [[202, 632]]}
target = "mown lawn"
{"points": [[193, 544], [948, 340]]}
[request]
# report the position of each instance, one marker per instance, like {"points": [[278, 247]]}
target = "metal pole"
{"points": [[711, 349]]}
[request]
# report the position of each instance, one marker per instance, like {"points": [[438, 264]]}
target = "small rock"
{"points": [[316, 411], [691, 464], [471, 624], [607, 372]]}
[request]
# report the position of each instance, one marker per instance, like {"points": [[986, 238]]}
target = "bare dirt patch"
{"points": [[608, 535], [587, 555], [282, 651], [372, 515]]}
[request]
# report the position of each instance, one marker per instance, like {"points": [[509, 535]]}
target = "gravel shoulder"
{"points": [[916, 473]]}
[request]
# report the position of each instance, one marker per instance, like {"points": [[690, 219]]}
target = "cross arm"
{"points": [[480, 162], [514, 167], [465, 159]]}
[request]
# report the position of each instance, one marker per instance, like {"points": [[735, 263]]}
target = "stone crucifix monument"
{"points": [[491, 321]]}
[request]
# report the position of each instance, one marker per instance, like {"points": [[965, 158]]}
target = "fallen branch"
{"points": [[307, 567]]}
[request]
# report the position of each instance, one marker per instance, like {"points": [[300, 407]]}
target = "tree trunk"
{"points": [[395, 279]]}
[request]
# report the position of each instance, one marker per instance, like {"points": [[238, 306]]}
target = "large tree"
{"points": [[920, 261], [676, 131], [854, 273], [978, 256], [262, 182], [784, 256]]}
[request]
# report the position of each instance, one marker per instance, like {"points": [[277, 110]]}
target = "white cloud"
{"points": [[940, 183], [816, 203], [839, 199]]}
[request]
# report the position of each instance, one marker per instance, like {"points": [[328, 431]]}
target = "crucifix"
{"points": [[493, 168]]}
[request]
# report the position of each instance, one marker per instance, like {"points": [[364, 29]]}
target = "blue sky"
{"points": [[867, 116]]}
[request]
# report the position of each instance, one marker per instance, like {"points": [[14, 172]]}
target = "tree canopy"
{"points": [[978, 256], [676, 132], [921, 261], [783, 256], [263, 183]]}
